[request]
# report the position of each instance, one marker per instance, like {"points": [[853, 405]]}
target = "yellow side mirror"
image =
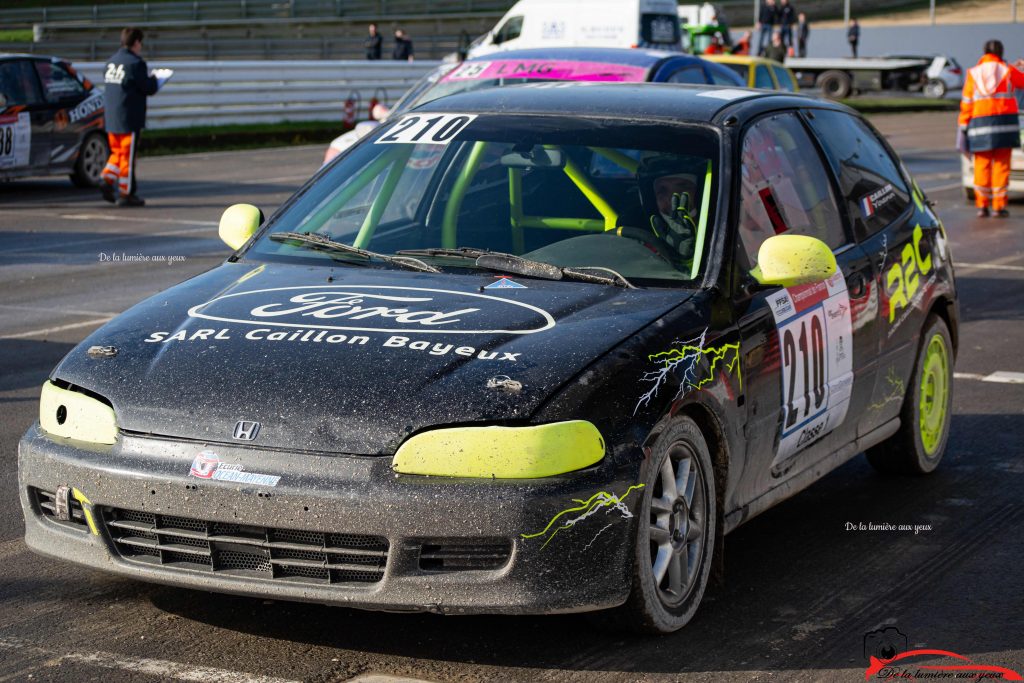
{"points": [[238, 223], [790, 260]]}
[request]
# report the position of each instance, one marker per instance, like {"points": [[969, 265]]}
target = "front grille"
{"points": [[245, 550], [465, 555], [47, 506]]}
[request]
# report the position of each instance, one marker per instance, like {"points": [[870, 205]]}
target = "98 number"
{"points": [[812, 354], [6, 141]]}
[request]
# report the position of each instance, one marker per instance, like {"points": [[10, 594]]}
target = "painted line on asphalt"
{"points": [[130, 219], [962, 269], [999, 377], [161, 668], [59, 328], [942, 188], [114, 237], [989, 266], [42, 309]]}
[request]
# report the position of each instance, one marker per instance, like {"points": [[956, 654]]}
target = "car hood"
{"points": [[349, 360]]}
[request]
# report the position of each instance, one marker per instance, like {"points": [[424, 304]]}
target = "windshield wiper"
{"points": [[319, 242], [510, 263]]}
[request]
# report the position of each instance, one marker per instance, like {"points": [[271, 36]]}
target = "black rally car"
{"points": [[504, 356], [51, 121]]}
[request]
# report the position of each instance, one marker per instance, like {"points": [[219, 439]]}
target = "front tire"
{"points": [[675, 537], [920, 443], [935, 88], [92, 157]]}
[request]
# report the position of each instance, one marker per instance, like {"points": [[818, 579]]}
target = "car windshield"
{"points": [[630, 196]]}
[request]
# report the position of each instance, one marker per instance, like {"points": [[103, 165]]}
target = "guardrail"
{"points": [[427, 47], [221, 93], [243, 9]]}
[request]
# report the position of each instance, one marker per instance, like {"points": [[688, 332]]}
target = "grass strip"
{"points": [[166, 141]]}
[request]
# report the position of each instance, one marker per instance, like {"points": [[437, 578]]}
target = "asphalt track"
{"points": [[801, 591]]}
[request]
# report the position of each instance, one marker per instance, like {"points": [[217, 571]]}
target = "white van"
{"points": [[584, 23]]}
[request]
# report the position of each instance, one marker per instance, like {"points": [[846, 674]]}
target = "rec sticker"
{"points": [[208, 465]]}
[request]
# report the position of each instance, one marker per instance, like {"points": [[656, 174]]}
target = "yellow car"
{"points": [[759, 72]]}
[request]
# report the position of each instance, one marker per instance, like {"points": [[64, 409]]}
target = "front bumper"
{"points": [[414, 523]]}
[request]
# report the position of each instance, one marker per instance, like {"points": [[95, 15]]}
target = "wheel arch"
{"points": [[945, 308], [718, 446]]}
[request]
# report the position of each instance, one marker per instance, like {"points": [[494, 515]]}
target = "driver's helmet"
{"points": [[668, 194]]}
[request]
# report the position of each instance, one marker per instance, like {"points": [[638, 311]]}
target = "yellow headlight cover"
{"points": [[74, 415], [502, 452]]}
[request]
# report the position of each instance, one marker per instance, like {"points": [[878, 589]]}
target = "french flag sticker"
{"points": [[866, 207]]}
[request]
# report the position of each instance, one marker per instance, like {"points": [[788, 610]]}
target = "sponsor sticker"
{"points": [[505, 283], [376, 308], [86, 107], [208, 465]]}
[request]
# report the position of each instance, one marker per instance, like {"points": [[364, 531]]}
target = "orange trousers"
{"points": [[120, 168], [992, 178]]}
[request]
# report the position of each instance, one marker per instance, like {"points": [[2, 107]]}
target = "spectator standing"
{"points": [[742, 46], [374, 43], [988, 126], [766, 22], [787, 17], [777, 50], [853, 36], [403, 47], [803, 31], [127, 85]]}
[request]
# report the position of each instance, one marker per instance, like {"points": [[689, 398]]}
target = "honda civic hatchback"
{"points": [[51, 121], [505, 357]]}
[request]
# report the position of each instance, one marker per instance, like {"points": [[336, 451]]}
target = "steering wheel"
{"points": [[649, 240]]}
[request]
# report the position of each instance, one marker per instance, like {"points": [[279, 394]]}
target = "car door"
{"points": [[62, 92], [24, 119], [879, 201], [803, 359]]}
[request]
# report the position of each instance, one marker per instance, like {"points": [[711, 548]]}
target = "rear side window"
{"points": [[58, 84], [659, 29], [721, 75], [691, 74], [762, 78], [510, 30], [784, 79], [869, 177], [784, 187], [18, 83]]}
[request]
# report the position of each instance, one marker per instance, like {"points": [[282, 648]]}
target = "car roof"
{"points": [[668, 102], [609, 55], [742, 59]]}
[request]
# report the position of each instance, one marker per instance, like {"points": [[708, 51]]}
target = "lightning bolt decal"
{"points": [[586, 508], [687, 357]]}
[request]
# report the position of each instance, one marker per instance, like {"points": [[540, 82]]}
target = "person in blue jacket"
{"points": [[127, 85]]}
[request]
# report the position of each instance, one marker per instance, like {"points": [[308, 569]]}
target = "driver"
{"points": [[668, 194]]}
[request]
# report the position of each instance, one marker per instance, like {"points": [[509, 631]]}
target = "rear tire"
{"points": [[920, 443], [675, 536], [835, 85], [92, 157]]}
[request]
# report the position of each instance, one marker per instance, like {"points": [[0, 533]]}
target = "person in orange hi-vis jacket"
{"points": [[989, 128]]}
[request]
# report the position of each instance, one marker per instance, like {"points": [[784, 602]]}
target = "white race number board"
{"points": [[15, 140], [426, 129], [815, 359]]}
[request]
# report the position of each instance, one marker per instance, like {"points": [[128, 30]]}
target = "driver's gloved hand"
{"points": [[677, 228]]}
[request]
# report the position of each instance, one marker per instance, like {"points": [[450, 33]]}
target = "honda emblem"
{"points": [[246, 430]]}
